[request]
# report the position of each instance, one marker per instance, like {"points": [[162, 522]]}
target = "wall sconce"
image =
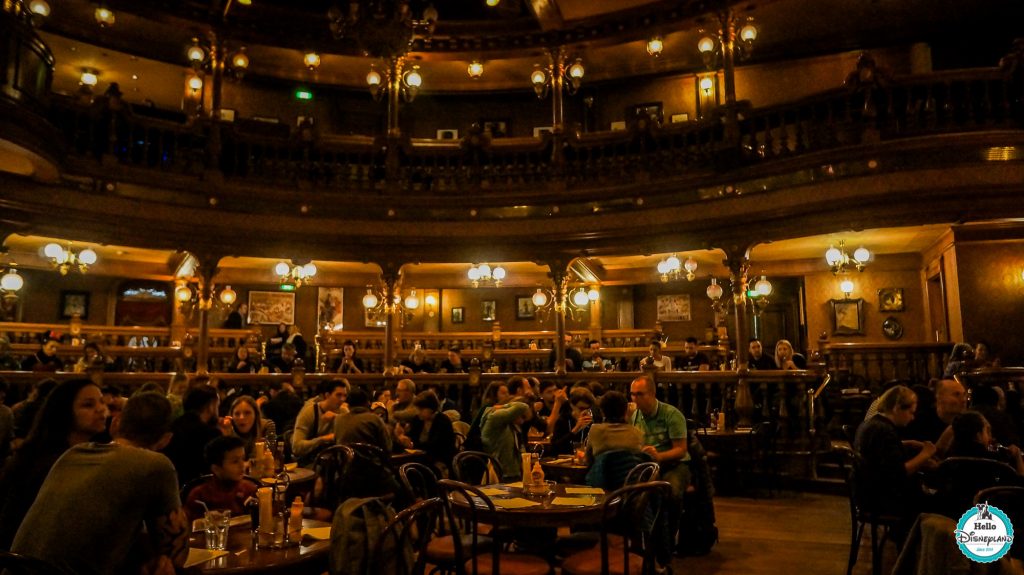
{"points": [[104, 16], [295, 274], [846, 286], [195, 84], [655, 46], [431, 304], [411, 82], [714, 293], [483, 274], [10, 283], [839, 261], [707, 93], [670, 268], [65, 260], [311, 60], [409, 86], [199, 54], [475, 69], [710, 44], [189, 296], [542, 79], [39, 9]]}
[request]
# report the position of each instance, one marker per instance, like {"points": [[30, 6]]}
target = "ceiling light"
{"points": [[65, 260], [104, 16], [655, 46], [580, 298], [671, 268], [294, 274], [706, 44], [370, 300], [839, 261], [311, 60], [493, 3], [475, 69], [412, 301], [245, 2], [373, 78], [195, 52], [483, 274], [89, 78]]}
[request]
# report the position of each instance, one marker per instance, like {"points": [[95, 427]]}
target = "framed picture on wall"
{"points": [[525, 309], [329, 314], [847, 316], [458, 315], [448, 134], [650, 110], [74, 303], [674, 307], [488, 309], [891, 299], [495, 128], [271, 307]]}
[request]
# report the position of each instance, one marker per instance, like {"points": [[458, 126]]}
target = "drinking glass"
{"points": [[217, 523]]}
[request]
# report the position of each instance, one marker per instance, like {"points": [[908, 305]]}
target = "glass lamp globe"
{"points": [[430, 299], [714, 290], [673, 263], [706, 44], [282, 269], [498, 273], [485, 270], [11, 281], [413, 78], [370, 300], [182, 293], [748, 33], [580, 298], [706, 83], [53, 251], [577, 70], [846, 286], [655, 46], [241, 61], [540, 299], [195, 83], [833, 255], [104, 16], [196, 53], [412, 301], [40, 7], [474, 273], [87, 257], [373, 78], [309, 269], [593, 294], [538, 77], [862, 254], [763, 286], [312, 60], [690, 265], [228, 295], [475, 69]]}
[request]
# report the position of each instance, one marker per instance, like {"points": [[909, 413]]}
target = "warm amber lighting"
{"points": [[763, 286], [196, 54], [228, 296], [540, 299], [846, 286], [706, 83], [413, 78], [538, 77], [311, 60], [39, 8], [748, 33], [576, 71], [245, 2], [714, 290], [412, 301], [89, 78], [493, 3], [104, 16], [182, 293], [655, 46], [373, 78], [475, 69], [431, 300], [240, 60], [195, 83], [11, 281], [706, 44], [370, 300]]}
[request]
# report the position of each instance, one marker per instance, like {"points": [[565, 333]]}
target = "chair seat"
{"points": [[512, 564], [442, 549], [589, 562]]}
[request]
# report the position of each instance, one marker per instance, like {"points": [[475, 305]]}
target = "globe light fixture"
{"points": [[484, 275], [475, 69], [104, 16], [65, 259], [311, 60], [228, 296], [655, 46], [840, 262]]}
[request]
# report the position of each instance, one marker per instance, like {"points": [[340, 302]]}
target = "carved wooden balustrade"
{"points": [[872, 365], [888, 109]]}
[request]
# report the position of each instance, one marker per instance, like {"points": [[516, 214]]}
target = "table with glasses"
{"points": [[565, 469], [309, 557], [565, 504]]}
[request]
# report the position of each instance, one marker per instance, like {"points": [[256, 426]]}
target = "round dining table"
{"points": [[566, 504], [244, 557], [564, 470]]}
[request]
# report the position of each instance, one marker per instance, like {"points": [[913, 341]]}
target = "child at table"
{"points": [[227, 489]]}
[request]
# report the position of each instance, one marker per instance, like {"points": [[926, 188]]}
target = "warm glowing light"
{"points": [[182, 293], [846, 286], [474, 274], [706, 44], [748, 33], [475, 69], [833, 255], [706, 83], [540, 299], [655, 46], [228, 296], [493, 3], [240, 60], [538, 77], [53, 251], [11, 281], [593, 294], [311, 60], [88, 78], [370, 300], [485, 270], [714, 290], [309, 269], [104, 17], [373, 78], [690, 265], [431, 300], [196, 53], [673, 262], [498, 273], [413, 78], [763, 286], [39, 7], [412, 301], [87, 257], [195, 83], [576, 70], [282, 268], [580, 298], [862, 254]]}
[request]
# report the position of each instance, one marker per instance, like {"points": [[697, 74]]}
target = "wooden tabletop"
{"points": [[296, 476], [243, 557], [546, 513], [564, 472]]}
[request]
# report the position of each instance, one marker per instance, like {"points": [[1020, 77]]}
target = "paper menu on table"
{"points": [[514, 503], [197, 556], [574, 501], [584, 491], [318, 533]]}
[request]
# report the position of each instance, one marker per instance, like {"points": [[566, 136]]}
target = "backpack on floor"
{"points": [[356, 531]]}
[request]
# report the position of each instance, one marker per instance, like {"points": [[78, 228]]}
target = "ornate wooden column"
{"points": [[390, 280], [558, 273], [736, 259], [207, 271]]}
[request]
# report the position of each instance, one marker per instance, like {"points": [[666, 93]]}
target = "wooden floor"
{"points": [[789, 534]]}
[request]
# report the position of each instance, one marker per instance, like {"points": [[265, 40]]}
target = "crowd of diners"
{"points": [[89, 465]]}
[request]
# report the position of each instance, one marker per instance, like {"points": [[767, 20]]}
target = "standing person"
{"points": [[664, 429], [295, 338], [73, 413], [314, 426], [92, 508], [501, 437], [45, 359], [349, 363], [199, 425], [276, 343], [239, 318]]}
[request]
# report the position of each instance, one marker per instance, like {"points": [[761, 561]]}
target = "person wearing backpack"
{"points": [[356, 546]]}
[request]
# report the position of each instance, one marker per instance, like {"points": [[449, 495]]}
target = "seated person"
{"points": [[498, 433], [45, 359], [314, 426], [887, 481], [349, 363], [786, 358], [418, 362], [757, 358], [573, 414], [432, 431], [972, 437], [614, 446], [228, 489], [453, 363], [961, 360], [199, 425], [656, 360], [983, 357], [282, 363], [360, 424], [990, 401], [692, 360], [933, 425]]}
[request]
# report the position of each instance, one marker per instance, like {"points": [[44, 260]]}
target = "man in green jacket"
{"points": [[501, 438]]}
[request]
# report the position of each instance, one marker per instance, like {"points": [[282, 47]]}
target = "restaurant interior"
{"points": [[529, 182]]}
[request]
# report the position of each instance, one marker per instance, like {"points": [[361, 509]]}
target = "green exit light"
{"points": [[301, 94], [753, 293], [287, 287]]}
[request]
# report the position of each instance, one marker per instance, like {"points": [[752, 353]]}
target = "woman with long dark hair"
{"points": [[247, 424], [73, 413]]}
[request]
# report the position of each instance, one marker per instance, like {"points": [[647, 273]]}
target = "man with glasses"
{"points": [[664, 429]]}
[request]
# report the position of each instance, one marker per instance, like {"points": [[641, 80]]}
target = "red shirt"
{"points": [[217, 494]]}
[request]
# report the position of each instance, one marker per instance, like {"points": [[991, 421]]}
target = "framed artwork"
{"points": [[619, 126], [448, 134], [847, 316], [271, 307], [892, 328], [375, 317], [329, 314], [891, 299], [227, 115], [541, 131], [650, 110], [525, 308], [674, 307], [496, 128], [488, 309], [458, 315], [74, 303], [678, 118]]}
